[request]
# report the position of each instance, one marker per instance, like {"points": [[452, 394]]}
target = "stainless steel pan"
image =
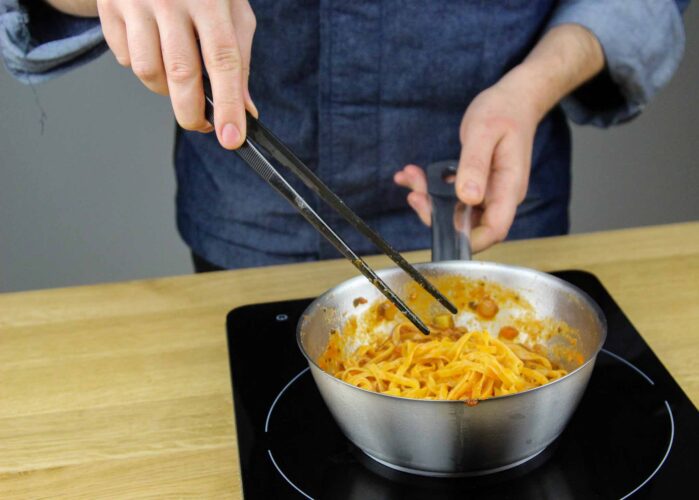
{"points": [[441, 438]]}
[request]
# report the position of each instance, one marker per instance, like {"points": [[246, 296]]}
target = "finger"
{"points": [[507, 179], [420, 202], [416, 178], [477, 146], [494, 225], [401, 179], [219, 46], [245, 24], [144, 50], [114, 31], [411, 177], [249, 104], [180, 53]]}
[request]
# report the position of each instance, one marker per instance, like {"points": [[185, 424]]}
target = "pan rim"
{"points": [[589, 301]]}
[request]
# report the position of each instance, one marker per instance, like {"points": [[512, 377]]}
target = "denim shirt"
{"points": [[359, 89]]}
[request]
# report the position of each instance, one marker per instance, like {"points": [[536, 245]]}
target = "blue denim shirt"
{"points": [[358, 89]]}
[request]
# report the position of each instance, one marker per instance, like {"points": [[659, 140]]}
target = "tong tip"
{"points": [[448, 305], [420, 326]]}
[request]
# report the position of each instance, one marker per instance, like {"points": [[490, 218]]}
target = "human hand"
{"points": [[497, 134], [160, 40], [497, 131]]}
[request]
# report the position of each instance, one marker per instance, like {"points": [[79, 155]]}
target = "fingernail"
{"points": [[471, 189], [230, 135]]}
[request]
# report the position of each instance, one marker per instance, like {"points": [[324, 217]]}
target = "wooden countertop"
{"points": [[123, 389]]}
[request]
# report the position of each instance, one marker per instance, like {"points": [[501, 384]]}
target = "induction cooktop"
{"points": [[635, 433]]}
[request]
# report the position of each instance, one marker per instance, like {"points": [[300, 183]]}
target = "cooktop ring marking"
{"points": [[613, 355], [269, 452], [271, 408], [628, 363], [667, 453], [669, 412]]}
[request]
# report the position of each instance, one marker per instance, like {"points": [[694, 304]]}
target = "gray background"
{"points": [[92, 198]]}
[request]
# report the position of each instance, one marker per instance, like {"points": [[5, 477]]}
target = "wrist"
{"points": [[531, 89], [566, 57]]}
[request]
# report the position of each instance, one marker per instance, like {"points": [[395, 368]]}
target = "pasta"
{"points": [[449, 364]]}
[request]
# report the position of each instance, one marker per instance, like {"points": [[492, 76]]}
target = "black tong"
{"points": [[258, 136]]}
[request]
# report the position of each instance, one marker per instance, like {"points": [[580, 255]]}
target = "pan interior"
{"points": [[547, 311]]}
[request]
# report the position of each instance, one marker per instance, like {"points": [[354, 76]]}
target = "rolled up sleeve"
{"points": [[643, 42], [38, 43]]}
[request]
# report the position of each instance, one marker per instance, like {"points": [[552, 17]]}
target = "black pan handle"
{"points": [[451, 218]]}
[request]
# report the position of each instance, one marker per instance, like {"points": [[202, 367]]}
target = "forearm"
{"points": [[82, 8], [565, 58]]}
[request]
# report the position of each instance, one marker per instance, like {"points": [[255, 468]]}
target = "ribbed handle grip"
{"points": [[252, 156]]}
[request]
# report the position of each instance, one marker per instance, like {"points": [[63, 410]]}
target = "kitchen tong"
{"points": [[258, 136]]}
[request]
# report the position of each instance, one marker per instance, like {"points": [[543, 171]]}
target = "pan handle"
{"points": [[451, 218]]}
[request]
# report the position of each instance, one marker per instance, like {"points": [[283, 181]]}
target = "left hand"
{"points": [[497, 131], [497, 134]]}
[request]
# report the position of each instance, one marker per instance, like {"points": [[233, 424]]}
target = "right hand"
{"points": [[160, 41], [497, 136]]}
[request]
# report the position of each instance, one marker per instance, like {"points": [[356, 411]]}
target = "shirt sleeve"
{"points": [[38, 42], [643, 42]]}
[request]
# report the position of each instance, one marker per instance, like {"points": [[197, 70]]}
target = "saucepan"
{"points": [[450, 438]]}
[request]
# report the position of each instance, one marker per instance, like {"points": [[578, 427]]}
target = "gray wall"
{"points": [[647, 171], [91, 198]]}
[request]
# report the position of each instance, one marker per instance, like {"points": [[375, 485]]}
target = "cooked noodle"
{"points": [[449, 364]]}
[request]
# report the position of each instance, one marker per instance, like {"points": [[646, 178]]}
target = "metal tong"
{"points": [[259, 136]]}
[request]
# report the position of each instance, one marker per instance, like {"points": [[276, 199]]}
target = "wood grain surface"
{"points": [[122, 390]]}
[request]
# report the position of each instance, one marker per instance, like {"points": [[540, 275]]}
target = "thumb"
{"points": [[474, 164]]}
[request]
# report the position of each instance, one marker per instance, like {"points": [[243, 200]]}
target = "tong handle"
{"points": [[286, 157], [281, 153], [256, 160], [253, 157]]}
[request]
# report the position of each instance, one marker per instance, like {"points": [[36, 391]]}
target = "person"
{"points": [[366, 92]]}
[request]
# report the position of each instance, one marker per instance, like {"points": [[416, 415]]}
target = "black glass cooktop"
{"points": [[635, 432]]}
